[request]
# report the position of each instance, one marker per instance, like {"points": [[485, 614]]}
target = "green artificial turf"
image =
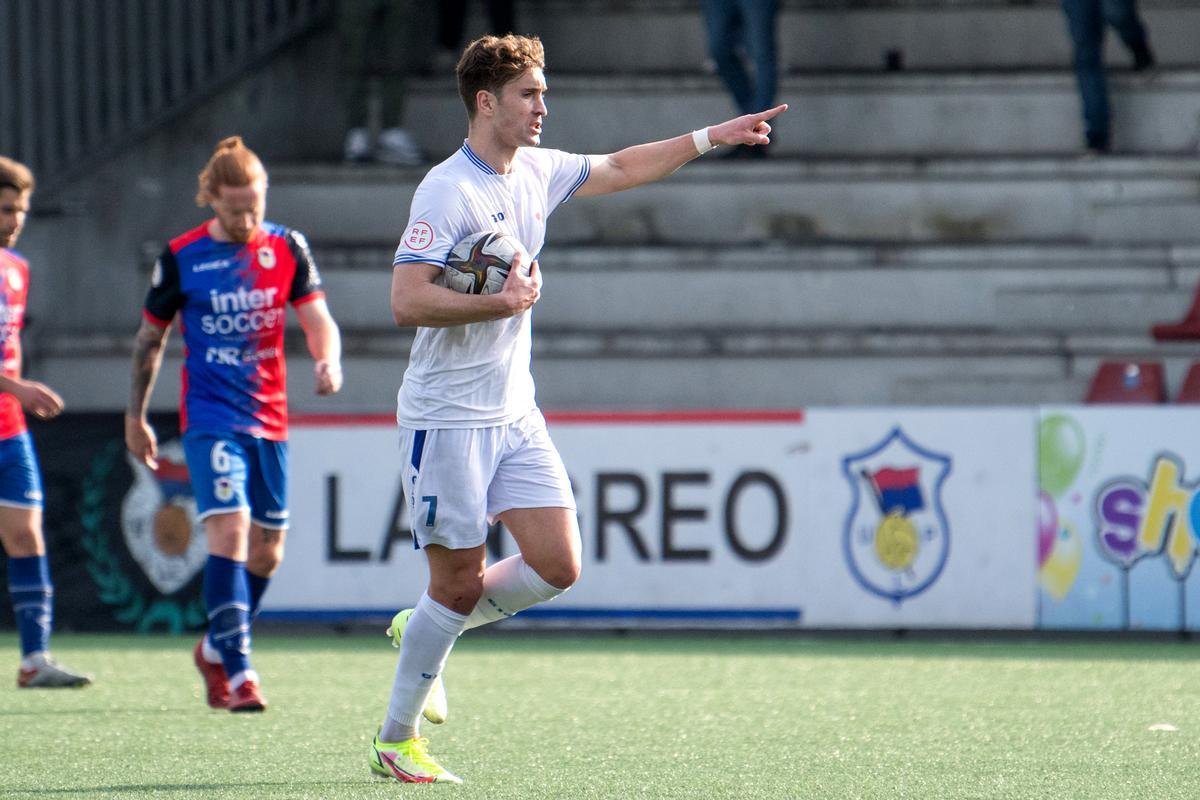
{"points": [[641, 716]]}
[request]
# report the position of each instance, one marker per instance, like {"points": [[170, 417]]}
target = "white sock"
{"points": [[208, 652], [509, 586], [35, 660], [429, 636], [245, 675]]}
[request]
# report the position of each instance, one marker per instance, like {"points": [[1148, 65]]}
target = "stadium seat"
{"points": [[1190, 391], [1128, 382], [1187, 329]]}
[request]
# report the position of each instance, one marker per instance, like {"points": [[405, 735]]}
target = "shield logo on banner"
{"points": [[158, 518], [896, 538]]}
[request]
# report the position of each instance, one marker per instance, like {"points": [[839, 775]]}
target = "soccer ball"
{"points": [[479, 263]]}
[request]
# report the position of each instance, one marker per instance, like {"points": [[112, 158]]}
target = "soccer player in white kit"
{"points": [[474, 444]]}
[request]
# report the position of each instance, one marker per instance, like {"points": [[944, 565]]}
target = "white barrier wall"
{"points": [[827, 518], [976, 473]]}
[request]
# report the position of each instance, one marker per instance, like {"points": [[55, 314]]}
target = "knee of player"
{"points": [[461, 590], [23, 541], [562, 574], [265, 550], [265, 562]]}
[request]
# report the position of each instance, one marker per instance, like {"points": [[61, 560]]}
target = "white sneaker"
{"points": [[358, 145], [47, 673], [397, 147]]}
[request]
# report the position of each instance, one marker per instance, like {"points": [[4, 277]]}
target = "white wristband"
{"points": [[700, 139]]}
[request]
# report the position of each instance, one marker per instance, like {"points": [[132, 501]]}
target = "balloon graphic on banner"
{"points": [[1060, 453], [1057, 574], [1047, 526]]}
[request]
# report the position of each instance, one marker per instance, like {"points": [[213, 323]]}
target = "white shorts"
{"points": [[458, 480]]}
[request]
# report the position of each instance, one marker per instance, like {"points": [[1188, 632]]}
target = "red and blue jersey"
{"points": [[14, 289], [232, 300]]}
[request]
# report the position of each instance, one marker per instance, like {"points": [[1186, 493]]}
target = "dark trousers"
{"points": [[375, 44], [453, 13], [750, 24], [1086, 20]]}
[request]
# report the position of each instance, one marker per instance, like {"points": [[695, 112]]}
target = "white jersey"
{"points": [[477, 375]]}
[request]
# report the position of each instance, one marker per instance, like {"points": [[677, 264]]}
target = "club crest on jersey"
{"points": [[266, 258], [15, 281], [896, 538], [158, 518]]}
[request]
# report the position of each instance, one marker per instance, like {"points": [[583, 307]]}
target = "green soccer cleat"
{"points": [[408, 762], [437, 708]]}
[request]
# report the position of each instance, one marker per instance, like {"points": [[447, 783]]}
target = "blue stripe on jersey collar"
{"points": [[476, 160]]}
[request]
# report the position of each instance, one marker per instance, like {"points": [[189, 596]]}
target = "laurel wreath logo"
{"points": [[115, 588]]}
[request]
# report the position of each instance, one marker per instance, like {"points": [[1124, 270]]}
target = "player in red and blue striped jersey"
{"points": [[229, 282], [20, 479]]}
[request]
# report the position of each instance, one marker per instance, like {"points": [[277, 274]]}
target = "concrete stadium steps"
{"points": [[795, 200], [686, 369], [765, 327], [1149, 219], [823, 35], [1045, 287], [925, 236], [847, 114]]}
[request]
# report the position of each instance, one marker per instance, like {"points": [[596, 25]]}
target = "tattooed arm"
{"points": [[148, 346]]}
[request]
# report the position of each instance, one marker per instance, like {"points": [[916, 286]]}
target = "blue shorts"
{"points": [[235, 471], [20, 478]]}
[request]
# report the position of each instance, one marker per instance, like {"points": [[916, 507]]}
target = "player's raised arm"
{"points": [[646, 163]]}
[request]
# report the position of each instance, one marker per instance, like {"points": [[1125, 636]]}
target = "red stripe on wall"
{"points": [[592, 418], [673, 417]]}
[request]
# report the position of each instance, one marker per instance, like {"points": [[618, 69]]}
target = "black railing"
{"points": [[79, 79]]}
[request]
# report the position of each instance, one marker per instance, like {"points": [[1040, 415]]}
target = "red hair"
{"points": [[15, 175], [232, 164]]}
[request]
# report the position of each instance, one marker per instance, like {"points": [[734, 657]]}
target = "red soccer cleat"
{"points": [[247, 697], [216, 683]]}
